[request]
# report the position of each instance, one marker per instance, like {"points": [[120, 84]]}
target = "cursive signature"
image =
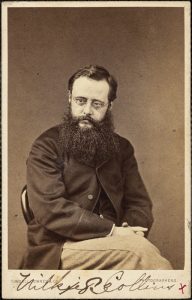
{"points": [[96, 285]]}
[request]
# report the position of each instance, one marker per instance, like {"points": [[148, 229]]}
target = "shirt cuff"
{"points": [[110, 233]]}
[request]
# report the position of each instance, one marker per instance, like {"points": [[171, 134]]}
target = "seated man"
{"points": [[91, 208]]}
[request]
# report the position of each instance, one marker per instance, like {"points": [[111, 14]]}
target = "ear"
{"points": [[110, 105], [69, 96]]}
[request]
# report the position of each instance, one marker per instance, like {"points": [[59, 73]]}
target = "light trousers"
{"points": [[131, 252]]}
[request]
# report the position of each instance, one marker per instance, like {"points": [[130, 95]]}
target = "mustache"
{"points": [[76, 120]]}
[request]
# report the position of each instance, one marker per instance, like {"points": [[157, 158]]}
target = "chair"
{"points": [[27, 212]]}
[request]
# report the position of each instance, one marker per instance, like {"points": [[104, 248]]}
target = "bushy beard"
{"points": [[90, 145]]}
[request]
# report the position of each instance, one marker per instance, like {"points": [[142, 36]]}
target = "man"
{"points": [[91, 208]]}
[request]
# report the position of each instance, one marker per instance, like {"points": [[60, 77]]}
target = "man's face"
{"points": [[89, 98]]}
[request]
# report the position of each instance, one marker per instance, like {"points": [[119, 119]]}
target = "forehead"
{"points": [[88, 87]]}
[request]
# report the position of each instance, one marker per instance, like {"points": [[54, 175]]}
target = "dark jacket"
{"points": [[63, 194]]}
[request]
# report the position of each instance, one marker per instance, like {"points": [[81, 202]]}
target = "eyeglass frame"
{"points": [[102, 104]]}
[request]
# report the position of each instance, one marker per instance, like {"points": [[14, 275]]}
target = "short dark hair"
{"points": [[97, 73]]}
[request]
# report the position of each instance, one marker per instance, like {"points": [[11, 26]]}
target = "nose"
{"points": [[87, 110]]}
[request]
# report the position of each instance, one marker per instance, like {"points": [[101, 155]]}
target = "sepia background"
{"points": [[144, 49]]}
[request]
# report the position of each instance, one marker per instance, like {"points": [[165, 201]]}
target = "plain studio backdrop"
{"points": [[144, 49]]}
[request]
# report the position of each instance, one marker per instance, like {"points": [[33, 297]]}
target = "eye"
{"points": [[97, 104], [80, 101]]}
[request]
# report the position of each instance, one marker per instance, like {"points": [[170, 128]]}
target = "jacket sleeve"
{"points": [[46, 191], [137, 204]]}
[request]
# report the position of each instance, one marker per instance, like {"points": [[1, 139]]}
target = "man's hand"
{"points": [[125, 230]]}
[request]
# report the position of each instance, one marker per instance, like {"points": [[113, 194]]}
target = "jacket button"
{"points": [[90, 197]]}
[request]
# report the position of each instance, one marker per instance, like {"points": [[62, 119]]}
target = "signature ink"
{"points": [[96, 285], [182, 287]]}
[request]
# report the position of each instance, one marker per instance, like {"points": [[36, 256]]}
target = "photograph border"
{"points": [[11, 279]]}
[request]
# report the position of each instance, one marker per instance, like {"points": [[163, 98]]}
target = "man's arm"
{"points": [[46, 191], [137, 204]]}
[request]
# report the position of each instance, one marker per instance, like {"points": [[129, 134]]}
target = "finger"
{"points": [[125, 224], [141, 233], [138, 228]]}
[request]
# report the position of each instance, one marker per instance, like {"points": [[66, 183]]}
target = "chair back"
{"points": [[27, 211]]}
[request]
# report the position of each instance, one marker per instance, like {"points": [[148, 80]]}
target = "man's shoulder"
{"points": [[48, 140], [124, 143], [51, 133]]}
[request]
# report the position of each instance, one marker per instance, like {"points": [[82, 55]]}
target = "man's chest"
{"points": [[83, 183]]}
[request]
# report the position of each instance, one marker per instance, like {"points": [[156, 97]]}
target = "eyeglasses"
{"points": [[96, 104]]}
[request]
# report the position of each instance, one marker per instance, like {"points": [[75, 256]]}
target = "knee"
{"points": [[150, 256], [152, 259]]}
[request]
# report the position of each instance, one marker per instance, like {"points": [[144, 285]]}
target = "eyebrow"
{"points": [[80, 97], [87, 99], [97, 100]]}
